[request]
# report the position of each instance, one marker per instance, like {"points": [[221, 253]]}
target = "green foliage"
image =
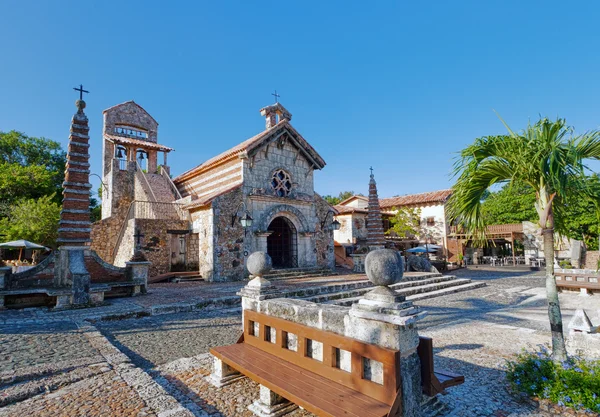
{"points": [[30, 167], [343, 195], [35, 220], [405, 222], [573, 383], [564, 264], [511, 204]]}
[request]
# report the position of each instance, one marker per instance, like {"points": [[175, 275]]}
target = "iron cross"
{"points": [[138, 237], [276, 96], [371, 170], [81, 91]]}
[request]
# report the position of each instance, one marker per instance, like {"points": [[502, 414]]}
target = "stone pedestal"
{"points": [[271, 404], [359, 262], [222, 374], [5, 271], [70, 271], [138, 272]]}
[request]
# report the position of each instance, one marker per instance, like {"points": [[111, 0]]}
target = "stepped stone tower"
{"points": [[375, 237], [74, 227]]}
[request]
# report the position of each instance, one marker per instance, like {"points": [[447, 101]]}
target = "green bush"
{"points": [[564, 264], [573, 383]]}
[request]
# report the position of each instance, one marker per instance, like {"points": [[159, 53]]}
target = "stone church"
{"points": [[256, 196]]}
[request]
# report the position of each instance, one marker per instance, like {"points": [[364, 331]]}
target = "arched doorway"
{"points": [[282, 243]]}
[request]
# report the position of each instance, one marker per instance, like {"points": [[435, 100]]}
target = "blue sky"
{"points": [[401, 86]]}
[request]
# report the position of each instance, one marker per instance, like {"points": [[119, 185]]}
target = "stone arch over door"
{"points": [[285, 210]]}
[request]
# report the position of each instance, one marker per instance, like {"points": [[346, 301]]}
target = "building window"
{"points": [[281, 183], [430, 221]]}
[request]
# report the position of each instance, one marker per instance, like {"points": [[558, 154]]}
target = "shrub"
{"points": [[573, 383], [564, 264]]}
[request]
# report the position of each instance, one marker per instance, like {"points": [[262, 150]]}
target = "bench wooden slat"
{"points": [[311, 391], [385, 393]]}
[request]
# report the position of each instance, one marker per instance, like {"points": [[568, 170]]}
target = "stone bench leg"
{"points": [[63, 302], [584, 292], [2, 307], [136, 290], [271, 404], [222, 374]]}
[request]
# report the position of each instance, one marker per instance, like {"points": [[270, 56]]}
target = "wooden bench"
{"points": [[320, 387], [434, 382], [578, 281]]}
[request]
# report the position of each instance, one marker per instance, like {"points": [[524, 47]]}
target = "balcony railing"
{"points": [[494, 229]]}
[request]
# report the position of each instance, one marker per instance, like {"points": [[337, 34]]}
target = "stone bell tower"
{"points": [[130, 136]]}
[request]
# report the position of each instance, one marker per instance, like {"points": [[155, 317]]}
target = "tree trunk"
{"points": [[559, 351]]}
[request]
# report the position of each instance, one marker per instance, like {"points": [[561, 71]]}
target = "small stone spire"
{"points": [[375, 237], [274, 114], [75, 225]]}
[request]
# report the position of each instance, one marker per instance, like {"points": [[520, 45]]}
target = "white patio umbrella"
{"points": [[22, 244]]}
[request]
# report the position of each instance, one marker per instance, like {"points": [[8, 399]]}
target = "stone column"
{"points": [[75, 225], [388, 320], [271, 404], [138, 272]]}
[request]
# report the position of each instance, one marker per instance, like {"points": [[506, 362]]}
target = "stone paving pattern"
{"points": [[57, 364]]}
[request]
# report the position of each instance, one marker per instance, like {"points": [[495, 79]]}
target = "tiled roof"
{"points": [[354, 197], [440, 196], [248, 146], [348, 210], [137, 142], [208, 198]]}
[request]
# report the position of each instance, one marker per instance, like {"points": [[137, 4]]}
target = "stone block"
{"points": [[222, 374], [271, 404], [97, 298], [63, 302], [5, 271]]}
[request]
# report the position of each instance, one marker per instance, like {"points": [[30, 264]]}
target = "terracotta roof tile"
{"points": [[137, 142], [440, 196], [347, 210]]}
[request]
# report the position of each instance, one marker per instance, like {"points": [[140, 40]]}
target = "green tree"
{"points": [[30, 167], [405, 222], [514, 203], [344, 195], [35, 220], [546, 156]]}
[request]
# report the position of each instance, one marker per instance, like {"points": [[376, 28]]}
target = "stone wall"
{"points": [[105, 233], [202, 223], [119, 188], [324, 238], [124, 251], [591, 259], [156, 243], [228, 240]]}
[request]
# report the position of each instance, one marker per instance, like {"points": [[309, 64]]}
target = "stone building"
{"points": [[194, 222]]}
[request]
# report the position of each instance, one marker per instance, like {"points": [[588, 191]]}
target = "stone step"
{"points": [[349, 297], [294, 271], [414, 290], [446, 291]]}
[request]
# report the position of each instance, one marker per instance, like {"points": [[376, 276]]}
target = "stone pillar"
{"points": [[222, 374], [375, 237], [138, 272], [388, 320], [271, 404], [75, 225]]}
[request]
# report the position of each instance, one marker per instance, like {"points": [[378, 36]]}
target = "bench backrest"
{"points": [[578, 279], [332, 343]]}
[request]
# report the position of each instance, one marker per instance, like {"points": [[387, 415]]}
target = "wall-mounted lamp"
{"points": [[335, 225], [245, 220]]}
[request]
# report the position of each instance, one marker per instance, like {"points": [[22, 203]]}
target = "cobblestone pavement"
{"points": [[57, 364]]}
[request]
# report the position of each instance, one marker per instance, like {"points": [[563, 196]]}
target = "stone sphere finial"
{"points": [[259, 263], [80, 105], [384, 267]]}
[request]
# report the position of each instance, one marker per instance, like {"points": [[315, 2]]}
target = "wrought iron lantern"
{"points": [[246, 220]]}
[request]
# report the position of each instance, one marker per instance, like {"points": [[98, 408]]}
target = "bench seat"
{"points": [[311, 391], [48, 291]]}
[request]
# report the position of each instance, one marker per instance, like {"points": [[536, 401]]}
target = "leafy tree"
{"points": [[512, 204], [405, 222], [33, 219], [30, 167], [549, 158], [344, 195]]}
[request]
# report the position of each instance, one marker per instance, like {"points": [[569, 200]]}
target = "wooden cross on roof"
{"points": [[81, 91], [276, 96]]}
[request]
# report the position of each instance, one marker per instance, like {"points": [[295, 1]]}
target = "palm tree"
{"points": [[550, 159]]}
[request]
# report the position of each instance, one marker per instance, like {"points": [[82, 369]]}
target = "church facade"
{"points": [[256, 196]]}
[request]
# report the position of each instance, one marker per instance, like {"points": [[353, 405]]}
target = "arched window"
{"points": [[121, 155], [281, 182]]}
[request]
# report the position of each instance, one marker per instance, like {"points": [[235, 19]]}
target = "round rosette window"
{"points": [[281, 183]]}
